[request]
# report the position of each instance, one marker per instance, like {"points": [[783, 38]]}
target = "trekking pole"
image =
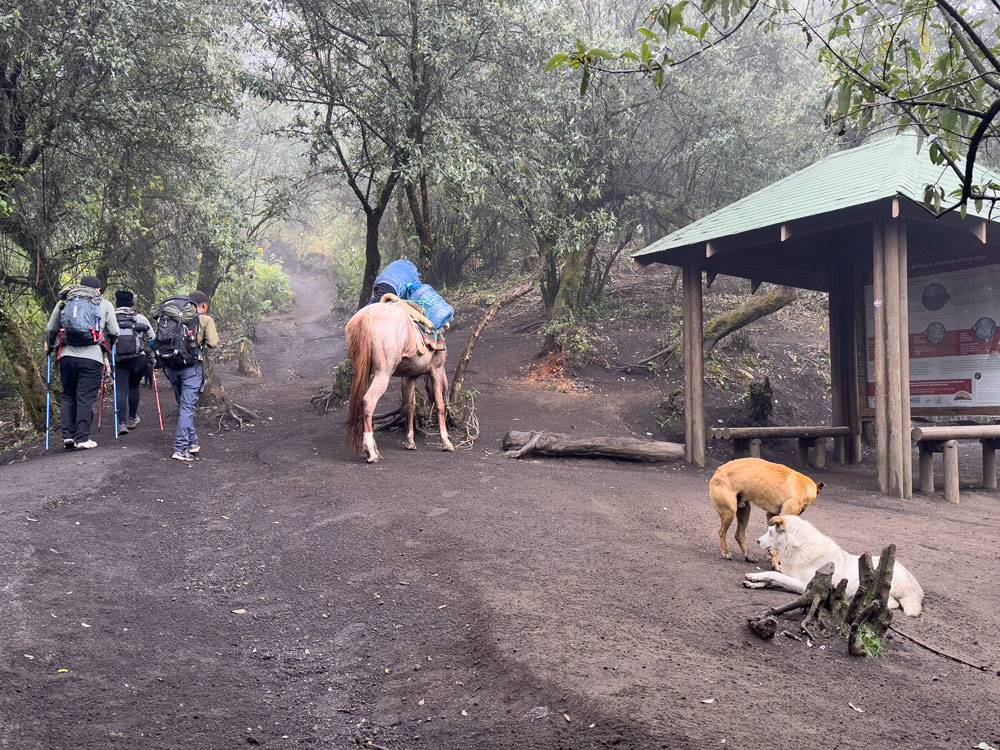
{"points": [[48, 402], [100, 410], [156, 390], [114, 387]]}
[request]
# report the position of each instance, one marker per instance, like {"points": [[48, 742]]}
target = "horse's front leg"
{"points": [[439, 383], [378, 386], [410, 400]]}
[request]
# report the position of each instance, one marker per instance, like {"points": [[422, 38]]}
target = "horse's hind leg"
{"points": [[439, 383], [410, 399], [378, 386]]}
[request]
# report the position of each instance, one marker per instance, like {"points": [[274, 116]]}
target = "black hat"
{"points": [[124, 299], [92, 281], [199, 297]]}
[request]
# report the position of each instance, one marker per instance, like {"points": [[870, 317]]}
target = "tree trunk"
{"points": [[30, 385], [517, 444], [209, 270], [416, 196], [373, 260], [248, 359], [753, 309], [214, 393]]}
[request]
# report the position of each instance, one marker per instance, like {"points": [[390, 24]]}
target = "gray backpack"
{"points": [[80, 318]]}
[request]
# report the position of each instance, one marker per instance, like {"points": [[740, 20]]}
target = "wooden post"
{"points": [[754, 448], [694, 366], [989, 463], [904, 359], [802, 450], [926, 465], [819, 453], [878, 300], [950, 452], [893, 365], [837, 372], [853, 321]]}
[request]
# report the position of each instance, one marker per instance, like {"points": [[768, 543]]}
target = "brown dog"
{"points": [[773, 487]]}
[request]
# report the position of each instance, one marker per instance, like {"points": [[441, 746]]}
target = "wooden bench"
{"points": [[944, 440], [746, 440]]}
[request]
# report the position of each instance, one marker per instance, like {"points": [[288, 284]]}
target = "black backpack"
{"points": [[177, 331], [129, 344], [80, 317]]}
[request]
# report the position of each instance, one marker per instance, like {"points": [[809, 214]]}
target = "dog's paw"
{"points": [[749, 559], [755, 584], [758, 578]]}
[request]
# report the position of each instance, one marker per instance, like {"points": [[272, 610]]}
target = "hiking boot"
{"points": [[122, 430], [182, 456], [69, 443], [132, 422], [86, 445], [194, 449]]}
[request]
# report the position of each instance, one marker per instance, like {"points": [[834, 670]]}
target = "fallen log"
{"points": [[517, 444]]}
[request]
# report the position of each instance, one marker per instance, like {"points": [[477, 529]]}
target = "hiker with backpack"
{"points": [[184, 329], [131, 359], [81, 329]]}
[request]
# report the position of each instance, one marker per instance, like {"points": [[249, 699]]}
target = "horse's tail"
{"points": [[359, 350]]}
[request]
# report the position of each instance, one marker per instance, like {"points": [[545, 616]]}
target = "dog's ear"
{"points": [[819, 486], [777, 521]]}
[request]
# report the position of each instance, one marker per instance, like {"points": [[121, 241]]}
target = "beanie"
{"points": [[92, 281], [199, 297], [124, 299]]}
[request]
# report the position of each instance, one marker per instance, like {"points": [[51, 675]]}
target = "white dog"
{"points": [[803, 550]]}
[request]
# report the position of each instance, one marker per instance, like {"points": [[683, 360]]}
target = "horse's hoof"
{"points": [[411, 446], [448, 447], [373, 457]]}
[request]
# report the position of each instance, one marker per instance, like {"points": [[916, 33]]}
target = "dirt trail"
{"points": [[280, 592]]}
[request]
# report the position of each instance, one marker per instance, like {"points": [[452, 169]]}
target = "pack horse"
{"points": [[382, 341]]}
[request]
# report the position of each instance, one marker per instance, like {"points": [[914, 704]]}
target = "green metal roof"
{"points": [[896, 166]]}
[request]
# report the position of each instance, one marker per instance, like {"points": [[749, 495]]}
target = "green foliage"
{"points": [[901, 64], [873, 644], [576, 339], [241, 303]]}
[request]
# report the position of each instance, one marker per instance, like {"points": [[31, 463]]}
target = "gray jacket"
{"points": [[108, 324]]}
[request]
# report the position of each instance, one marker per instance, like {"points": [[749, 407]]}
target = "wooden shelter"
{"points": [[854, 225]]}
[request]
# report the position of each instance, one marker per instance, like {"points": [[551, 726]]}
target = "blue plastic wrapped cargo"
{"points": [[435, 307], [398, 278]]}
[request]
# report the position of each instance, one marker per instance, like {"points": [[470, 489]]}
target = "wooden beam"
{"points": [[845, 217], [709, 278], [895, 208], [754, 285], [815, 280], [980, 230]]}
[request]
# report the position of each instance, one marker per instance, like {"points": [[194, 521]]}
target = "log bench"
{"points": [[746, 440], [944, 440]]}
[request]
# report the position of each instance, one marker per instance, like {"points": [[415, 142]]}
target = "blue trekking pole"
{"points": [[114, 386], [48, 402]]}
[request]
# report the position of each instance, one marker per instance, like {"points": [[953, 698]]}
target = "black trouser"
{"points": [[81, 380], [128, 378]]}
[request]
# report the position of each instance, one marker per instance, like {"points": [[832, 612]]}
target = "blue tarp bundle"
{"points": [[402, 278], [435, 306], [398, 278]]}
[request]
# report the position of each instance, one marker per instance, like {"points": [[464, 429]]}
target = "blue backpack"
{"points": [[80, 319]]}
